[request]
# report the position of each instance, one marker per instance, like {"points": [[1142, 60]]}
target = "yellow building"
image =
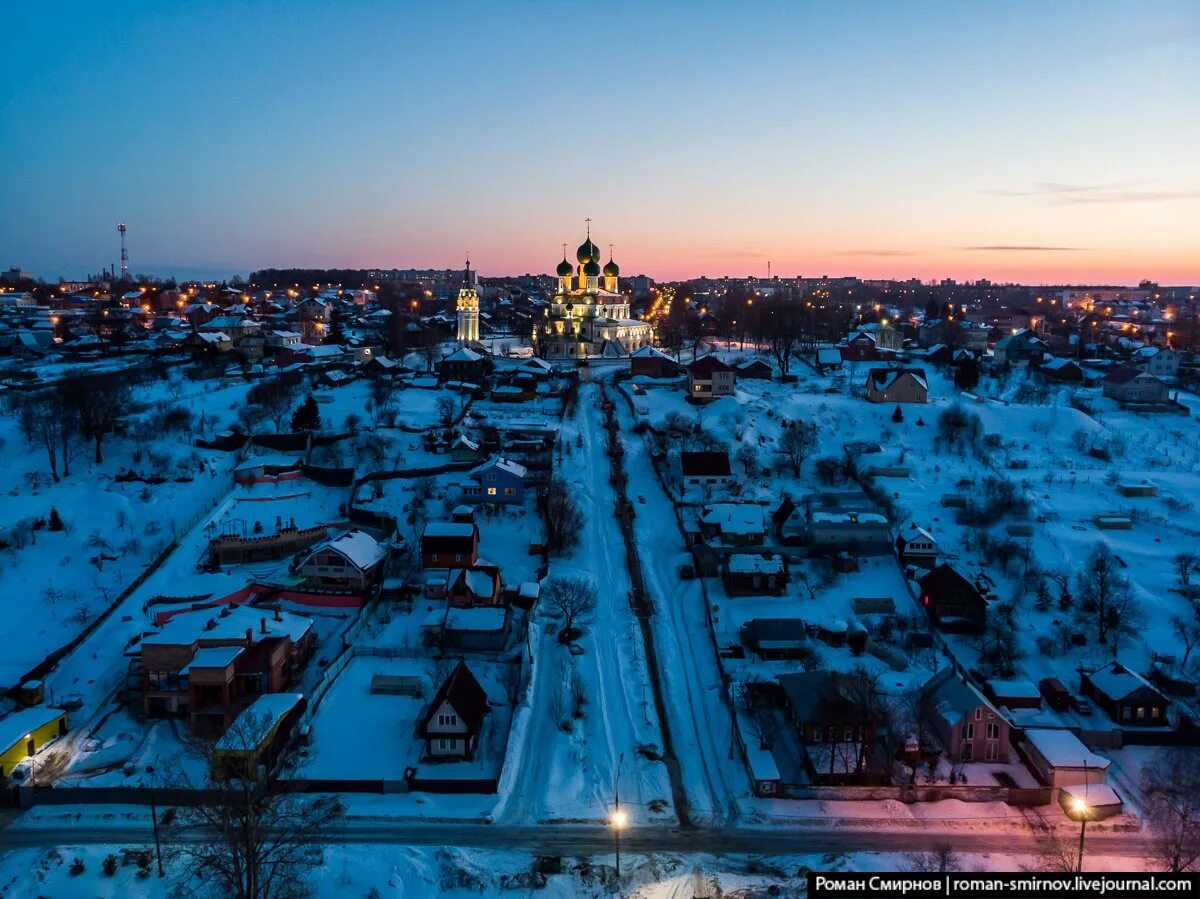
{"points": [[23, 733], [588, 315], [468, 309]]}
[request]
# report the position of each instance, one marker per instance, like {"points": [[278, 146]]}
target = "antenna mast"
{"points": [[124, 251]]}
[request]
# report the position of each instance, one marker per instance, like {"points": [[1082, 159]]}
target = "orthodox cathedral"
{"points": [[588, 316]]}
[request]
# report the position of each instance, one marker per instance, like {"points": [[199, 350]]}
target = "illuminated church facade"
{"points": [[588, 316]]}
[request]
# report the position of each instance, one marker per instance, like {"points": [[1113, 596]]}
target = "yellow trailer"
{"points": [[23, 733]]}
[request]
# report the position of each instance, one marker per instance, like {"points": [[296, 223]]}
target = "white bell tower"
{"points": [[468, 308]]}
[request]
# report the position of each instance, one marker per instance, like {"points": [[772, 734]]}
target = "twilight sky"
{"points": [[1033, 141]]}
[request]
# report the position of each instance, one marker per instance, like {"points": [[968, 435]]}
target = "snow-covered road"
{"points": [[572, 775]]}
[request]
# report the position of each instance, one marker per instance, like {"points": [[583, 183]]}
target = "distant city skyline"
{"points": [[1016, 142]]}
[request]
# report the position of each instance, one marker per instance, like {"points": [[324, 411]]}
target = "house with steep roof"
{"points": [[970, 727], [916, 546], [464, 364], [498, 481], [1161, 362], [952, 601], [454, 720], [897, 385], [1021, 347], [649, 362], [708, 378], [352, 560]]}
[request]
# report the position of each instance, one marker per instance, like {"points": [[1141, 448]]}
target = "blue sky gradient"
{"points": [[1033, 141]]}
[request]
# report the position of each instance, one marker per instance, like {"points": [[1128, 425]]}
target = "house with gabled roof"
{"points": [[953, 601], [970, 727], [499, 481], [916, 546], [708, 377], [1127, 697], [352, 560], [897, 385], [1127, 384], [649, 362], [454, 720]]}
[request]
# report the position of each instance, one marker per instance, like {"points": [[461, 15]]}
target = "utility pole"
{"points": [[124, 251], [618, 818], [154, 818]]}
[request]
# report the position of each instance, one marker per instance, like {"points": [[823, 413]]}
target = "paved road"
{"points": [[573, 840]]}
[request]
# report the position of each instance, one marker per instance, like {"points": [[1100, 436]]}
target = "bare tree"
{"points": [[38, 417], [1187, 630], [797, 442], [250, 836], [563, 518], [1103, 589], [1185, 564], [97, 404], [274, 397], [1172, 788], [571, 597], [940, 859]]}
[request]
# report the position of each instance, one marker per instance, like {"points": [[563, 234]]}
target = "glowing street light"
{"points": [[1080, 810], [619, 819]]}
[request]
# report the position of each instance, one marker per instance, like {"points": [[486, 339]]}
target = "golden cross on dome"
{"points": [[589, 228]]}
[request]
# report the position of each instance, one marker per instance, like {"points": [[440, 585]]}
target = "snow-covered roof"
{"points": [[915, 533], [230, 623], [360, 549], [1062, 749], [1116, 681], [498, 462], [276, 460], [213, 657], [257, 720], [1056, 363], [755, 563], [1095, 795], [463, 354], [735, 518], [14, 728], [649, 352], [479, 618], [849, 517]]}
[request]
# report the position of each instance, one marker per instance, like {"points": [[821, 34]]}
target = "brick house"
{"points": [[449, 544], [755, 574], [709, 377], [209, 665]]}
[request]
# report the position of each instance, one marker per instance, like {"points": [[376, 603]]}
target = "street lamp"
{"points": [[618, 820], [1081, 809], [154, 818]]}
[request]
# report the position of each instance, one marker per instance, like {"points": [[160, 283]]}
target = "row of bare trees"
{"points": [[64, 419]]}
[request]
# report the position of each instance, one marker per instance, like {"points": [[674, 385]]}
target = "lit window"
{"points": [[491, 491]]}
